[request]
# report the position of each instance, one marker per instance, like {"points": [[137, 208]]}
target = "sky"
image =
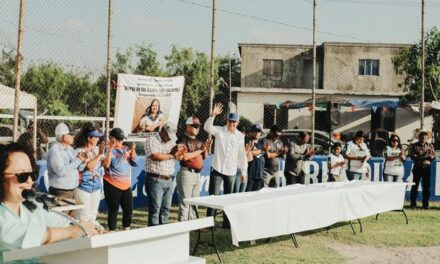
{"points": [[73, 33]]}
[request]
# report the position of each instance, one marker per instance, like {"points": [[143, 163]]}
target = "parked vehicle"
{"points": [[322, 145]]}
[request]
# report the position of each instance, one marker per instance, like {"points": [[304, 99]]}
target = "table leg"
{"points": [[212, 237], [404, 214], [360, 225], [352, 227], [295, 242]]}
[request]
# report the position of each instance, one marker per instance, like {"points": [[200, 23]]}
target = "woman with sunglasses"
{"points": [[89, 189], [24, 224], [394, 158]]}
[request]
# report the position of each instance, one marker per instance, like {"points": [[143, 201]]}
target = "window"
{"points": [[273, 68], [369, 67]]}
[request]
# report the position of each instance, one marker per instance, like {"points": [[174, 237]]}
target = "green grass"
{"points": [[388, 231]]}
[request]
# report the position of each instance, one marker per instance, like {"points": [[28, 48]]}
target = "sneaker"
{"points": [[425, 207]]}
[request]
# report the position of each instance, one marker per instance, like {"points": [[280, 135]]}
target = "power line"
{"points": [[273, 21], [403, 3]]}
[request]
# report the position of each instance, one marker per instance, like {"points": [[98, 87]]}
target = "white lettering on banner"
{"points": [[311, 178], [376, 171]]}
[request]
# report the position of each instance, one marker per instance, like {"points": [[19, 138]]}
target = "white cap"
{"points": [[193, 120], [61, 130]]}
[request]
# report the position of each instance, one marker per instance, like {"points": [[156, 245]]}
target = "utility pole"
{"points": [[422, 109], [18, 60], [212, 74], [109, 69], [230, 81], [314, 75]]}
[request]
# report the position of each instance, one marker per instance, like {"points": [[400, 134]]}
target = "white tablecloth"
{"points": [[296, 208]]}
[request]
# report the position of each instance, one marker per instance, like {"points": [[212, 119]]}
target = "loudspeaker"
{"points": [[335, 117]]}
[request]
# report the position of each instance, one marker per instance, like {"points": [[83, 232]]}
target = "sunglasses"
{"points": [[22, 177], [394, 140], [195, 126]]}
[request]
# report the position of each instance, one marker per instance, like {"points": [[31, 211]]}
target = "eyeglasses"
{"points": [[22, 177], [394, 140]]}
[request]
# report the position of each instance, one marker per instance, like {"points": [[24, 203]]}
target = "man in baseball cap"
{"points": [[188, 177], [161, 152], [63, 163]]}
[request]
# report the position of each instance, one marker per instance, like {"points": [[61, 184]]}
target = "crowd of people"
{"points": [[81, 167]]}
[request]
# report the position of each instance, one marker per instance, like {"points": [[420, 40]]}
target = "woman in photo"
{"points": [[153, 119]]}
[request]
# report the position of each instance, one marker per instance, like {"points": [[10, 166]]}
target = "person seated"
{"points": [[24, 224]]}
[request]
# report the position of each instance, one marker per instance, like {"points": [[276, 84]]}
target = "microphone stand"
{"points": [[72, 220]]}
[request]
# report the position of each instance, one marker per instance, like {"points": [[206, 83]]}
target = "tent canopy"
{"points": [[27, 101], [358, 103]]}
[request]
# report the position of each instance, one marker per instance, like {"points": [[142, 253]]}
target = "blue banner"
{"points": [[318, 173]]}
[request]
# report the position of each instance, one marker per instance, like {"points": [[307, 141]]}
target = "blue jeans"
{"points": [[160, 193], [392, 178], [239, 186], [215, 182], [351, 175]]}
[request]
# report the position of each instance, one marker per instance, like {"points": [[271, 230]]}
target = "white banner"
{"points": [[145, 103]]}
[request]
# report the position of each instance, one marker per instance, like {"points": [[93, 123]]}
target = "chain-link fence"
{"points": [[368, 74]]}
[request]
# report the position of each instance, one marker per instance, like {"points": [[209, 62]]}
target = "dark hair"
{"points": [[398, 138], [275, 128], [422, 134], [5, 152], [81, 138], [359, 134], [336, 145], [148, 111], [303, 135]]}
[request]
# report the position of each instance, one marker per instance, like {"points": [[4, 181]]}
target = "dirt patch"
{"points": [[380, 255]]}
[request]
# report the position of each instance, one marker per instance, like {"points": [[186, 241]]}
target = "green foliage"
{"points": [[246, 123], [7, 68], [62, 92], [148, 63], [408, 63], [195, 67]]}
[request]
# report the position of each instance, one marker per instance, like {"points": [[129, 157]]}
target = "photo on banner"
{"points": [[145, 103]]}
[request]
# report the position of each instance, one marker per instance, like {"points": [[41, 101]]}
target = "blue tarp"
{"points": [[375, 103]]}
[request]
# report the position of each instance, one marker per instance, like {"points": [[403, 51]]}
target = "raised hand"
{"points": [[218, 109], [101, 147]]}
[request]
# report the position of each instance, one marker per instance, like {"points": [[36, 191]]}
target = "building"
{"points": [[272, 74]]}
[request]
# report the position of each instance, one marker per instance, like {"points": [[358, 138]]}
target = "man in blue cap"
{"points": [[229, 155]]}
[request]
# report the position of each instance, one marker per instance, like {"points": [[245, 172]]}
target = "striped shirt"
{"points": [[154, 144]]}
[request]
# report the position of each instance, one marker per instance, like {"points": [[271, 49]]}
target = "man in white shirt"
{"points": [[229, 155]]}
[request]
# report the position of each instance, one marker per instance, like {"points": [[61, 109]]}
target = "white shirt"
{"points": [[393, 167], [335, 159], [229, 153], [26, 230], [358, 151]]}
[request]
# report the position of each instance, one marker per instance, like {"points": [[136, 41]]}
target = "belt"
{"points": [[192, 169], [162, 177]]}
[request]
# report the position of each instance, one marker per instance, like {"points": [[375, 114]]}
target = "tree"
{"points": [[7, 68], [195, 67], [147, 62], [408, 63]]}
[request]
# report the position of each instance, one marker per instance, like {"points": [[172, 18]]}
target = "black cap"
{"points": [[117, 133]]}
